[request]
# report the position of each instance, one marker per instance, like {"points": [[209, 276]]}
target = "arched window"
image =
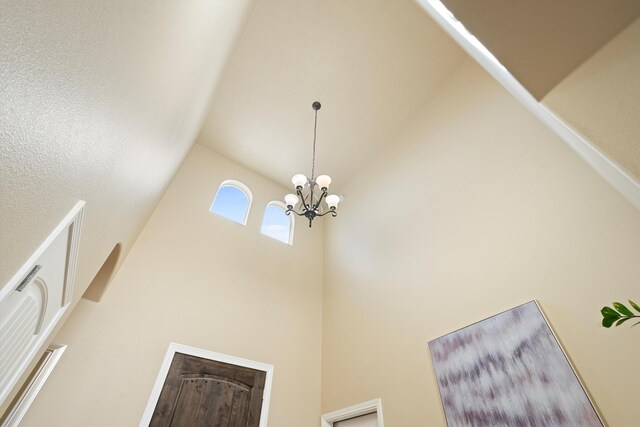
{"points": [[277, 224], [232, 201]]}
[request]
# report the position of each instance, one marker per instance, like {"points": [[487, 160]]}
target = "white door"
{"points": [[369, 420]]}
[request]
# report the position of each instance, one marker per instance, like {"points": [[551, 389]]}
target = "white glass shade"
{"points": [[332, 200], [299, 180], [323, 181], [291, 200]]}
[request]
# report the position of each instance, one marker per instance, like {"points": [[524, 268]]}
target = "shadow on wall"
{"points": [[103, 277]]}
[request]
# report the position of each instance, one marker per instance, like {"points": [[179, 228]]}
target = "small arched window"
{"points": [[232, 201], [277, 224]]}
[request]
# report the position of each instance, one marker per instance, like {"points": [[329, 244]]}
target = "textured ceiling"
{"points": [[100, 101], [541, 42], [371, 63]]}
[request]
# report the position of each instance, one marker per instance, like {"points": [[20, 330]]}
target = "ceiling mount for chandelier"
{"points": [[311, 192]]}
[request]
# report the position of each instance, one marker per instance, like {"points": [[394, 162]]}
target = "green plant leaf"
{"points": [[608, 321], [634, 305], [621, 321], [609, 313], [622, 309]]}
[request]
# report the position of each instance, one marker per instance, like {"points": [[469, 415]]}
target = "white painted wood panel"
{"points": [[35, 299]]}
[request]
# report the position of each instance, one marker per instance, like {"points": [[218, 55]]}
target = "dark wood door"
{"points": [[206, 393]]}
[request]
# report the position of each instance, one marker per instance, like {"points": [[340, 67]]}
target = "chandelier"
{"points": [[311, 192]]}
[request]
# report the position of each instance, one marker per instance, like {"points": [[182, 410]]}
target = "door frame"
{"points": [[206, 354], [364, 408], [32, 387]]}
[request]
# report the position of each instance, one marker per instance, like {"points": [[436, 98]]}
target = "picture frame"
{"points": [[508, 370]]}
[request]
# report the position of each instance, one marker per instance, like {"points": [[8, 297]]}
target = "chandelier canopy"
{"points": [[311, 192]]}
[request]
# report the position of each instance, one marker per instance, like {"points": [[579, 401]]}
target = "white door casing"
{"points": [[42, 371], [375, 405]]}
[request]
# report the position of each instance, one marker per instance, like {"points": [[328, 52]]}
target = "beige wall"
{"points": [[200, 280], [475, 208], [100, 101], [600, 99]]}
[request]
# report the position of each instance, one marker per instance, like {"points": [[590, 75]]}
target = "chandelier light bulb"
{"points": [[332, 201], [299, 180], [291, 200], [323, 181]]}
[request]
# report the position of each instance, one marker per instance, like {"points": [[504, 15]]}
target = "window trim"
{"points": [[292, 221], [240, 186]]}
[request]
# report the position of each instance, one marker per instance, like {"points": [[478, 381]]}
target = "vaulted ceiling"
{"points": [[371, 63]]}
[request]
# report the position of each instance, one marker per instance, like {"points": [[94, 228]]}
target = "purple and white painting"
{"points": [[509, 370]]}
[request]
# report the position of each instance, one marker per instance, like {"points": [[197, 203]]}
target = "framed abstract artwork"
{"points": [[509, 371]]}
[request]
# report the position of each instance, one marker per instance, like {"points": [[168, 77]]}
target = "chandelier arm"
{"points": [[322, 196], [332, 212], [288, 211], [302, 198]]}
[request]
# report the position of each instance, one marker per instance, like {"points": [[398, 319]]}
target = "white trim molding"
{"points": [[364, 408], [619, 179], [205, 354], [42, 371]]}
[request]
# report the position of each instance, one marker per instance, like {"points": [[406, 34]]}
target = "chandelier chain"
{"points": [[313, 163]]}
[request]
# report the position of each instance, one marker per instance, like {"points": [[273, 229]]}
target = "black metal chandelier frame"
{"points": [[310, 208]]}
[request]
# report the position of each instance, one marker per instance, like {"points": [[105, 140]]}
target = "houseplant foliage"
{"points": [[619, 314]]}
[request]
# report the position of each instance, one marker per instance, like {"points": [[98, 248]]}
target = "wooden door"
{"points": [[200, 392]]}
